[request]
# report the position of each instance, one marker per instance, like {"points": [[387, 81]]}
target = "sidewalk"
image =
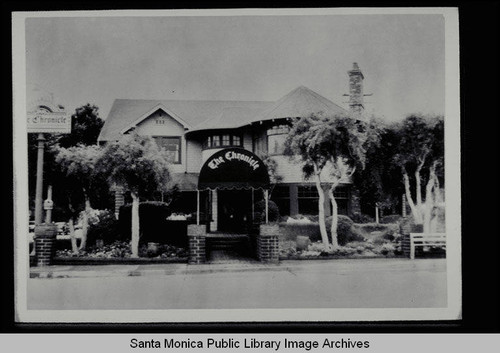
{"points": [[148, 270], [359, 283], [170, 269]]}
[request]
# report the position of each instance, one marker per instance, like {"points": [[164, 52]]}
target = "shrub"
{"points": [[273, 213], [163, 251], [290, 231], [378, 231], [385, 249], [104, 226], [361, 246], [361, 218], [287, 248], [311, 218], [345, 230], [395, 218], [153, 221]]}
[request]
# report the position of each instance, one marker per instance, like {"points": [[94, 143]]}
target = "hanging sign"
{"points": [[43, 121]]}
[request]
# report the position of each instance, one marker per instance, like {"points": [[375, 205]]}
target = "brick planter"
{"points": [[268, 243], [197, 240], [45, 241]]}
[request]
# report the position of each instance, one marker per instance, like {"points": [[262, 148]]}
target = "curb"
{"points": [[75, 273]]}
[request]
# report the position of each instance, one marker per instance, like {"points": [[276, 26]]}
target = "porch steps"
{"points": [[231, 243]]}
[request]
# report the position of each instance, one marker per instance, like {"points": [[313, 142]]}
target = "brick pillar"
{"points": [[268, 243], [197, 235], [405, 226], [45, 241]]}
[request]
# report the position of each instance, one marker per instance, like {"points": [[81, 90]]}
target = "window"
{"points": [[171, 146], [307, 192], [281, 196], [216, 141], [307, 199], [342, 197], [276, 137]]}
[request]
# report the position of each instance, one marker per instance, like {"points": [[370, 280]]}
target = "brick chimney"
{"points": [[356, 103]]}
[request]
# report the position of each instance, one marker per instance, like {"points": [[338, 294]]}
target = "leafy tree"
{"points": [[85, 127], [135, 163], [379, 182], [78, 166], [420, 151], [336, 145]]}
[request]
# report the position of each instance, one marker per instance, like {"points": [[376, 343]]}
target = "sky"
{"points": [[98, 59]]}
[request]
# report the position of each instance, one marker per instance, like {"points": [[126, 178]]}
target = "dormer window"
{"points": [[222, 140], [236, 140]]}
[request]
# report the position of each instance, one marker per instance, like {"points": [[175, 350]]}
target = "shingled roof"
{"points": [[298, 103], [204, 115], [196, 113]]}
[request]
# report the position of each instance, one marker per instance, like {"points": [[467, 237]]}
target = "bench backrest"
{"points": [[428, 238]]}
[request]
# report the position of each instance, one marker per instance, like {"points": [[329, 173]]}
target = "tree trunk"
{"points": [[438, 197], [418, 194], [85, 225], [321, 209], [335, 217], [134, 244], [415, 212], [74, 246], [429, 199]]}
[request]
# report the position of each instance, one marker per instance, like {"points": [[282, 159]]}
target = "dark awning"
{"points": [[233, 168]]}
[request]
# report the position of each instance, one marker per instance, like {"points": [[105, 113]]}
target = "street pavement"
{"points": [[356, 283]]}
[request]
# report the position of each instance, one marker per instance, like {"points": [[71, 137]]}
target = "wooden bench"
{"points": [[414, 240]]}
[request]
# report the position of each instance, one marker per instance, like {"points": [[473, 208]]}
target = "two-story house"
{"points": [[216, 150]]}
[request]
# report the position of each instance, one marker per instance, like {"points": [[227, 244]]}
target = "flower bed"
{"points": [[355, 249], [120, 252]]}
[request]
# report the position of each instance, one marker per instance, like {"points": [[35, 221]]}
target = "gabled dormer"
{"points": [[159, 118]]}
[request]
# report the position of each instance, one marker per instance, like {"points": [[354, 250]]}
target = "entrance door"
{"points": [[234, 210]]}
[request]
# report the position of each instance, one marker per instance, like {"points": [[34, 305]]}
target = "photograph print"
{"points": [[237, 165]]}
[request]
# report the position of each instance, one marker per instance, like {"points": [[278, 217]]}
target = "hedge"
{"points": [[345, 230], [154, 226], [273, 213]]}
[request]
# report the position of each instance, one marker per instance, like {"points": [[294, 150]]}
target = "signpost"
{"points": [[45, 117], [43, 120]]}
